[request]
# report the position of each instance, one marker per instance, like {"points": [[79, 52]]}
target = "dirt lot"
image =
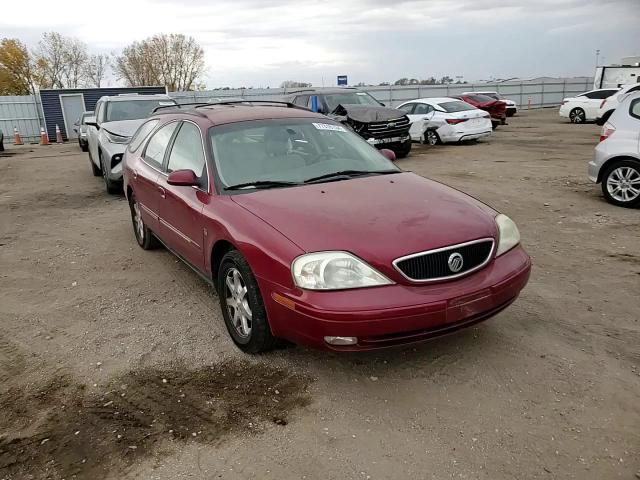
{"points": [[115, 362]]}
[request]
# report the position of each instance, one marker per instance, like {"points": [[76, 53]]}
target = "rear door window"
{"points": [[422, 109], [407, 108], [157, 146], [301, 100]]}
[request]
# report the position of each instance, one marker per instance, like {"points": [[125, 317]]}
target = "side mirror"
{"points": [[183, 178], [389, 154], [91, 121]]}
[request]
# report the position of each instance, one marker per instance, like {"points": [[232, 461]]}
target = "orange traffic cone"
{"points": [[58, 134], [17, 138], [44, 137]]}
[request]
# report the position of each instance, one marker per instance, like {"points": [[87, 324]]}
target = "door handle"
{"points": [[162, 192]]}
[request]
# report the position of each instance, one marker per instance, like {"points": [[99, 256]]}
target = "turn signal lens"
{"points": [[607, 131]]}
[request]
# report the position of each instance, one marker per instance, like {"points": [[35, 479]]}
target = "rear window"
{"points": [[480, 98], [451, 107], [634, 109]]}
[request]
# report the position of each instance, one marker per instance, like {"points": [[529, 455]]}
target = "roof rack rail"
{"points": [[178, 106], [272, 102]]}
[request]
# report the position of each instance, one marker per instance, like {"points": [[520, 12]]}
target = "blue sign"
{"points": [[342, 81]]}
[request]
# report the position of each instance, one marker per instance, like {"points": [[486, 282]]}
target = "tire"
{"points": [[83, 146], [113, 188], [621, 183], [495, 124], [603, 119], [431, 137], [403, 150], [144, 236], [1, 144], [510, 113], [247, 325], [577, 115], [97, 172]]}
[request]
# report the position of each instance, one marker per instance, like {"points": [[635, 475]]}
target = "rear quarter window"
{"points": [[634, 108], [142, 133]]}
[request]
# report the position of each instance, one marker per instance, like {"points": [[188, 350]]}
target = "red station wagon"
{"points": [[310, 234]]}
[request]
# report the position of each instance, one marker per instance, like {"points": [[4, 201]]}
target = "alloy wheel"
{"points": [[577, 116], [623, 184], [137, 221], [238, 303], [432, 137]]}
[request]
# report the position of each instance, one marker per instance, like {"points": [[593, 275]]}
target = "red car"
{"points": [[496, 108], [310, 234]]}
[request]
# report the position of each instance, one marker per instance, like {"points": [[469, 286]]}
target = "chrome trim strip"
{"points": [[442, 249], [149, 211], [179, 233]]}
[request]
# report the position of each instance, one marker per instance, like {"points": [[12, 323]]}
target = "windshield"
{"points": [[349, 98], [132, 109], [480, 98], [290, 150], [451, 107]]}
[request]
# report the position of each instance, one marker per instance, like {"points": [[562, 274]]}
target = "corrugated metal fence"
{"points": [[540, 93], [23, 112]]}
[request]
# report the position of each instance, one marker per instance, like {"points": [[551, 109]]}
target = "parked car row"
{"points": [[270, 203]]}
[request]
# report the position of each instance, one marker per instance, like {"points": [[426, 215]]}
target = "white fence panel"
{"points": [[23, 112]]}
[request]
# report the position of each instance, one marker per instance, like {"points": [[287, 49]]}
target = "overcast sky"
{"points": [[263, 42]]}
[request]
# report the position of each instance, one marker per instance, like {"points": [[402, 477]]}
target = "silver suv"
{"points": [[616, 162], [109, 131]]}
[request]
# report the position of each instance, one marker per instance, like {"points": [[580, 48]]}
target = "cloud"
{"points": [[252, 41]]}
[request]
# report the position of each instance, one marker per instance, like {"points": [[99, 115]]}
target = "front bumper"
{"points": [[395, 314], [383, 142]]}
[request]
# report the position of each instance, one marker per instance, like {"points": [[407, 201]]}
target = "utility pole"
{"points": [[597, 56]]}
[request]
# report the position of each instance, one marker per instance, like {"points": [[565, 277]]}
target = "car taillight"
{"points": [[603, 102], [455, 121], [607, 131]]}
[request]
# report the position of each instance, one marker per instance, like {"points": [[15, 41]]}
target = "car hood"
{"points": [[124, 128], [378, 218], [368, 113]]}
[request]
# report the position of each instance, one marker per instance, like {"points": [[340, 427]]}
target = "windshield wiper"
{"points": [[261, 184], [350, 173]]}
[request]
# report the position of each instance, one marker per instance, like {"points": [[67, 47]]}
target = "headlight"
{"points": [[334, 271], [509, 234], [113, 138]]}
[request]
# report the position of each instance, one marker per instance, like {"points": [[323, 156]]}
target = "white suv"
{"points": [[616, 162], [109, 131], [609, 104]]}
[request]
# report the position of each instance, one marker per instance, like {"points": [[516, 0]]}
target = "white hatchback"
{"points": [[616, 161], [436, 120], [584, 107]]}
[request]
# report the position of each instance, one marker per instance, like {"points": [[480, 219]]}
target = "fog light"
{"points": [[341, 340]]}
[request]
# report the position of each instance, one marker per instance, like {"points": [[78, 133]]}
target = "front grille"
{"points": [[434, 264], [389, 128]]}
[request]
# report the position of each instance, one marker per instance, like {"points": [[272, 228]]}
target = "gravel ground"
{"points": [[115, 362]]}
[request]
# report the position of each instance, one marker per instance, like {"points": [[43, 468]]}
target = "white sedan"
{"points": [[584, 107], [444, 120]]}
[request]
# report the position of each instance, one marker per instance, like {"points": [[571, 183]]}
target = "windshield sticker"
{"points": [[361, 93], [329, 126], [165, 104]]}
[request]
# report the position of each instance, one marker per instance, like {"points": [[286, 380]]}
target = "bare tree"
{"points": [[294, 84], [60, 61], [175, 61], [96, 69]]}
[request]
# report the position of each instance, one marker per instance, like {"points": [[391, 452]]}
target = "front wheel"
{"points": [[621, 184], [577, 115], [404, 149], [431, 137], [144, 237], [242, 307], [111, 186]]}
